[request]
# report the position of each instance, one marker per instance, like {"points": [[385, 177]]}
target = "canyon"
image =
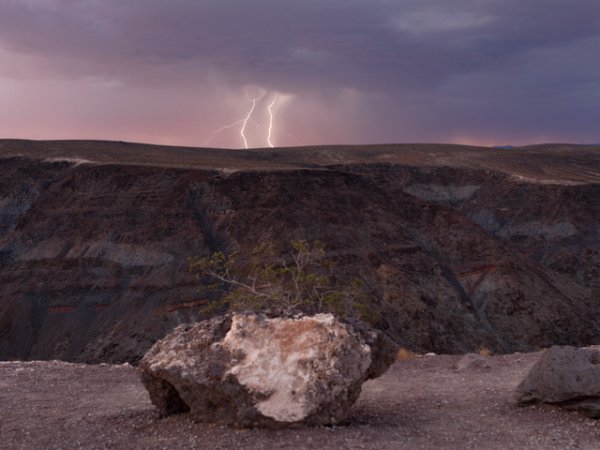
{"points": [[461, 247]]}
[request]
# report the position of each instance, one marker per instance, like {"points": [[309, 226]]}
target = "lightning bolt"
{"points": [[220, 130], [270, 108], [248, 116]]}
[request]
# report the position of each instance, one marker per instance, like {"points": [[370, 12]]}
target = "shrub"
{"points": [[405, 354], [300, 281], [484, 351]]}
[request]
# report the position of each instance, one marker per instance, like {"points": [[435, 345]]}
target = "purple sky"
{"points": [[486, 72]]}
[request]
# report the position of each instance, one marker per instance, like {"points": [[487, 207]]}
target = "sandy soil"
{"points": [[420, 403]]}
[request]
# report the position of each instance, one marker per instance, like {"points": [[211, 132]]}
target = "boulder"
{"points": [[251, 370], [565, 376]]}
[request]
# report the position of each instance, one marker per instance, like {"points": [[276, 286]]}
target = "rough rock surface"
{"points": [[250, 370], [564, 376]]}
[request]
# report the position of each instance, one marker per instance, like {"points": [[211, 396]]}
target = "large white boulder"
{"points": [[249, 370]]}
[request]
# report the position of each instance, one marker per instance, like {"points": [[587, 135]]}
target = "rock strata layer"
{"points": [[250, 370], [462, 247], [564, 376]]}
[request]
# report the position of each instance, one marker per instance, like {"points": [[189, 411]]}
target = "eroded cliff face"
{"points": [[93, 256]]}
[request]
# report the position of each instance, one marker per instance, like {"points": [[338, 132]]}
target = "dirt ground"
{"points": [[421, 403]]}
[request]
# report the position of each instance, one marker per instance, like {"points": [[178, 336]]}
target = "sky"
{"points": [[260, 73]]}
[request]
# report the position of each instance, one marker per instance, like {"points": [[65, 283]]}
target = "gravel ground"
{"points": [[421, 403]]}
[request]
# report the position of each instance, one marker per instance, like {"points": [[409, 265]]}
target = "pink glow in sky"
{"points": [[346, 71]]}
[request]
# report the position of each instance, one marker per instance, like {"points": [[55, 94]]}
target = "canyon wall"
{"points": [[464, 249]]}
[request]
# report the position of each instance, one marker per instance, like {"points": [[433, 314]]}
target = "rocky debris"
{"points": [[251, 370], [565, 376], [473, 361]]}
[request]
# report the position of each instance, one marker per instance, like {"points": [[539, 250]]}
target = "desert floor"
{"points": [[419, 403]]}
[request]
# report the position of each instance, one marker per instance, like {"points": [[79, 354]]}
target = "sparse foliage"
{"points": [[301, 281], [405, 354], [484, 351]]}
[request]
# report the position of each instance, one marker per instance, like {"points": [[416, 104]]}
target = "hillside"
{"points": [[462, 246]]}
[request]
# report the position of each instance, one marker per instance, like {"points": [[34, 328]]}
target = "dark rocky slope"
{"points": [[463, 247]]}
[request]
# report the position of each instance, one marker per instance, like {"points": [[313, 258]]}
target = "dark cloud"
{"points": [[411, 70]]}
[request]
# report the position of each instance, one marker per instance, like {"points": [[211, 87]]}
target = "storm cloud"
{"points": [[344, 71]]}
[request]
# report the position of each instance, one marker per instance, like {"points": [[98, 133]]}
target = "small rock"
{"points": [[250, 370], [473, 361], [565, 376]]}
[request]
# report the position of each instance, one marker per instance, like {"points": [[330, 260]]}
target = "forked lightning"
{"points": [[247, 118]]}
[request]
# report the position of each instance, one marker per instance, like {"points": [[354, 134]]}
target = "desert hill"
{"points": [[461, 246], [542, 163]]}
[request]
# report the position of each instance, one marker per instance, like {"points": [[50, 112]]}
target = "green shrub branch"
{"points": [[300, 281]]}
